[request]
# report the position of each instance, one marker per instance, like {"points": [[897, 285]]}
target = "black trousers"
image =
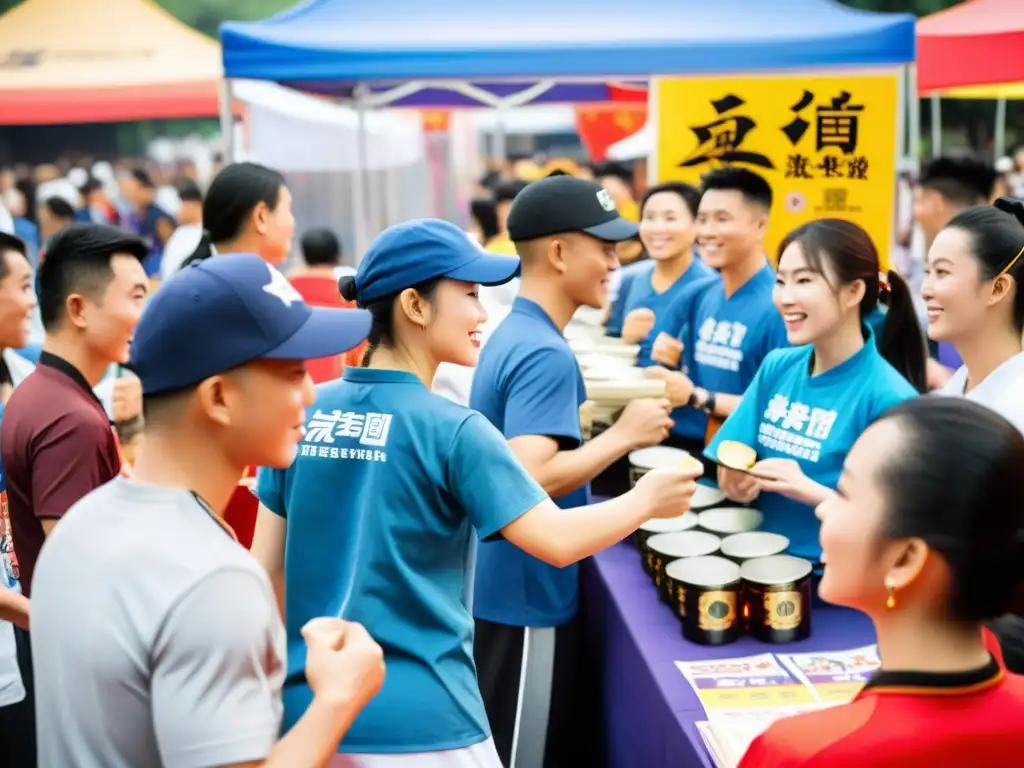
{"points": [[18, 721], [529, 678]]}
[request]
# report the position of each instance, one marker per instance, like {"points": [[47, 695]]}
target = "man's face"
{"points": [[134, 192], [191, 212], [586, 264], [729, 227], [50, 224], [17, 300], [932, 211], [266, 402], [111, 319]]}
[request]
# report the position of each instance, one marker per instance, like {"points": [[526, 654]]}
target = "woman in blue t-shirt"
{"points": [[667, 217], [372, 522], [808, 404]]}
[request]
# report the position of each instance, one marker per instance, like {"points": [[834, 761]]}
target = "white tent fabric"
{"points": [[322, 136], [315, 144], [635, 147]]}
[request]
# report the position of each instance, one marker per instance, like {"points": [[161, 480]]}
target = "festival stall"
{"points": [[972, 51], [67, 61], [450, 53]]}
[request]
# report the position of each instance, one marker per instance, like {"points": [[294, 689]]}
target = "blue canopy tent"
{"points": [[542, 49], [453, 53]]}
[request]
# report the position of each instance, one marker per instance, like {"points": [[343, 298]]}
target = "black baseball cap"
{"points": [[559, 204]]}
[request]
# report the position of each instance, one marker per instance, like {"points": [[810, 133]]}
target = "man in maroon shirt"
{"points": [[57, 443]]}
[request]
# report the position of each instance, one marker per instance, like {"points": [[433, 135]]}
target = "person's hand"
{"points": [[637, 325], [666, 491], [644, 422], [784, 476], [343, 663], [587, 419], [678, 386], [667, 350], [936, 374], [738, 486], [127, 401]]}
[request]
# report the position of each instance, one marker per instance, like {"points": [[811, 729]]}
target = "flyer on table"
{"points": [[754, 682], [835, 677]]}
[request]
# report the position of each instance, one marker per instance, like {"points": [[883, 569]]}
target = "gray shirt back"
{"points": [[156, 640]]}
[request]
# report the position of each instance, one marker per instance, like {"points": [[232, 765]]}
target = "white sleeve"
{"points": [[218, 668], [453, 382]]}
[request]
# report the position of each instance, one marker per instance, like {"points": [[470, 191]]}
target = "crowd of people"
{"points": [[411, 596]]}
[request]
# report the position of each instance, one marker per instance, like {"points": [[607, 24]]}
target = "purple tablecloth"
{"points": [[648, 710]]}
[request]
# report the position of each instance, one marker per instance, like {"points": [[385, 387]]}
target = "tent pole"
{"points": [[914, 115], [652, 120], [500, 145], [1000, 134], [902, 117], [936, 103], [359, 178], [227, 120]]}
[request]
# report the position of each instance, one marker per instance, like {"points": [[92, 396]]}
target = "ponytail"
{"points": [[851, 256], [902, 344], [382, 313], [202, 252]]}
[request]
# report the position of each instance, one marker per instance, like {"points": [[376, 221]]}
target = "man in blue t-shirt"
{"points": [[529, 386], [727, 328], [147, 219]]}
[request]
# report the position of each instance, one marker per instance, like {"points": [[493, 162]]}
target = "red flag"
{"points": [[602, 125]]}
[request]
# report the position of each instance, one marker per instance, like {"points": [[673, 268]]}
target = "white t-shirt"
{"points": [[1000, 390], [180, 245]]}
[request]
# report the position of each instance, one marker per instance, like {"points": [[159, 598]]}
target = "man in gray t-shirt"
{"points": [[156, 639], [159, 581]]}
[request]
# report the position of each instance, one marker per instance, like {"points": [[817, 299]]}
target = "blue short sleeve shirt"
{"points": [[528, 383], [787, 413], [379, 505], [642, 295], [617, 311], [725, 339]]}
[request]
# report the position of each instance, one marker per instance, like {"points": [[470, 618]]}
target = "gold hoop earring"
{"points": [[890, 600]]}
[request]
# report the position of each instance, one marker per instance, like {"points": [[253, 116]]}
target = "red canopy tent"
{"points": [[979, 42], [71, 61]]}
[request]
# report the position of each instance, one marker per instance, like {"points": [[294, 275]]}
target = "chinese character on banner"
{"points": [[826, 145], [721, 140]]}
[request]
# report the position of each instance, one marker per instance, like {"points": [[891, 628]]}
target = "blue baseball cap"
{"points": [[229, 310], [410, 253]]}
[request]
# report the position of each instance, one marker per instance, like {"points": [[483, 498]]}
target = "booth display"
{"points": [[69, 61], [450, 54]]}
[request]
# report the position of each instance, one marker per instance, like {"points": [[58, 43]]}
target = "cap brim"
{"points": [[326, 333], [614, 231], [487, 269]]}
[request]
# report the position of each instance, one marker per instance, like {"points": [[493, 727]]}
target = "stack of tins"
{"points": [[718, 573]]}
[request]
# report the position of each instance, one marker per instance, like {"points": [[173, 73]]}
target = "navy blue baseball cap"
{"points": [[229, 310], [410, 253]]}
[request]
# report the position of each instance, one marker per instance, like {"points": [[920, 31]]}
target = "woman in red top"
{"points": [[925, 536], [318, 284]]}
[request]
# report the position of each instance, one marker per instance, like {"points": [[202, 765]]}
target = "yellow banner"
{"points": [[827, 145]]}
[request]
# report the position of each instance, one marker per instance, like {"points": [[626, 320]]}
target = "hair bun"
{"points": [[347, 287], [1013, 206]]}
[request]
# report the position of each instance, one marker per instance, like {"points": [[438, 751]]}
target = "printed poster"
{"points": [[835, 677], [827, 145]]}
